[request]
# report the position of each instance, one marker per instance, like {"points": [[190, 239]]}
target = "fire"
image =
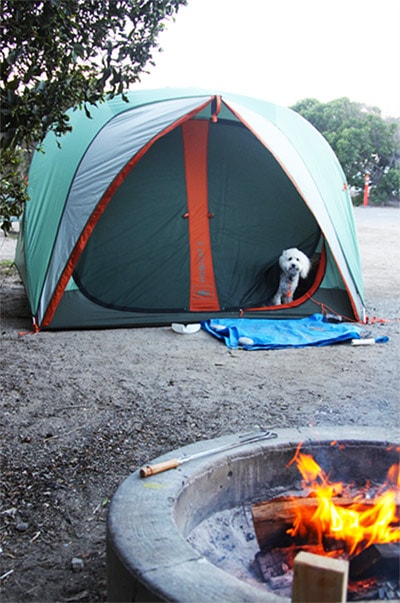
{"points": [[352, 522]]}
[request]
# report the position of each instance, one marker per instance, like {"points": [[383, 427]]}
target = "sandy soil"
{"points": [[82, 410]]}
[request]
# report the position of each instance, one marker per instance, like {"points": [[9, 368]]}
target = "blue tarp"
{"points": [[264, 334]]}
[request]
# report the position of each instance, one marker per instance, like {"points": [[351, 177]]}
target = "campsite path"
{"points": [[83, 409]]}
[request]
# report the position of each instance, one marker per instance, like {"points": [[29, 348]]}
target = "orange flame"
{"points": [[356, 524]]}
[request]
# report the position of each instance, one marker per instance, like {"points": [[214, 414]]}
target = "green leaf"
{"points": [[60, 54]]}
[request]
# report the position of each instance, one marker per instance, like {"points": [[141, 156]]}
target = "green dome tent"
{"points": [[175, 207]]}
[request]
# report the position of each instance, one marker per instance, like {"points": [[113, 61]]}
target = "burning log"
{"points": [[377, 560], [273, 518]]}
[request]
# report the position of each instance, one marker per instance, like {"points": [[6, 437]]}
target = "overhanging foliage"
{"points": [[58, 54]]}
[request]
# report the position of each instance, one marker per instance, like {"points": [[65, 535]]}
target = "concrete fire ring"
{"points": [[148, 556]]}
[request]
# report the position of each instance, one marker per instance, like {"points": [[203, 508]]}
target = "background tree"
{"points": [[60, 54], [363, 142]]}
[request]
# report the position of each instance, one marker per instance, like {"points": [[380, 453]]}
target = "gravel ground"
{"points": [[81, 410]]}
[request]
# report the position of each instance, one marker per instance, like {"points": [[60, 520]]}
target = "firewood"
{"points": [[319, 579], [272, 518], [376, 560]]}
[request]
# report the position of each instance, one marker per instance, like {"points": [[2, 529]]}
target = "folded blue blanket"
{"points": [[265, 334]]}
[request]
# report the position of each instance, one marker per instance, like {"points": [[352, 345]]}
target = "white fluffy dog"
{"points": [[294, 265]]}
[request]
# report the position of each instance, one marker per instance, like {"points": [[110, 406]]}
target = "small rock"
{"points": [[21, 526], [77, 564]]}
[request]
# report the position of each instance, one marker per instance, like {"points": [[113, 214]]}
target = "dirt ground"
{"points": [[81, 410]]}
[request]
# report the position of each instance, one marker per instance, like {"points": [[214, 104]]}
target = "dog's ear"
{"points": [[282, 259], [305, 266]]}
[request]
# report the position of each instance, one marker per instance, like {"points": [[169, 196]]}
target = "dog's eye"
{"points": [[290, 259]]}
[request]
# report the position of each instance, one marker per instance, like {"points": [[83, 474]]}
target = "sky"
{"points": [[285, 50]]}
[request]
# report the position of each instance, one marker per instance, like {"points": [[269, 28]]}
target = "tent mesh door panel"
{"points": [[257, 212]]}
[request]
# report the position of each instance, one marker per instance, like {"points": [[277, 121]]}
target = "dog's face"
{"points": [[293, 262]]}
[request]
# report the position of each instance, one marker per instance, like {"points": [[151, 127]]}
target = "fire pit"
{"points": [[187, 535]]}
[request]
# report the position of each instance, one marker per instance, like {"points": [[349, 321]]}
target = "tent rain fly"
{"points": [[176, 206]]}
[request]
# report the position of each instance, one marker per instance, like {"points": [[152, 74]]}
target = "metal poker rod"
{"points": [[174, 463]]}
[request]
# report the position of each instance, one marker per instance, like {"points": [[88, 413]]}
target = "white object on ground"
{"points": [[185, 329], [218, 327], [370, 341]]}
